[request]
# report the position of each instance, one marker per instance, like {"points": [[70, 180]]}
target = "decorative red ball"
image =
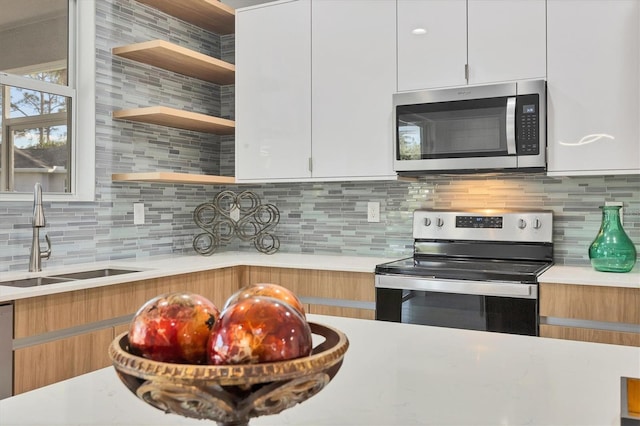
{"points": [[269, 290], [258, 329], [173, 327]]}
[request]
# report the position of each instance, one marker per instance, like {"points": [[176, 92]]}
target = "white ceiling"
{"points": [[20, 12]]}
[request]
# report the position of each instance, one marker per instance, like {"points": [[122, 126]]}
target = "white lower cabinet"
{"points": [[593, 86], [314, 80]]}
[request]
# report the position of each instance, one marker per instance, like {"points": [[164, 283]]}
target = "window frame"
{"points": [[81, 89]]}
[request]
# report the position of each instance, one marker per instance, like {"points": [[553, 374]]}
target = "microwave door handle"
{"points": [[511, 126]]}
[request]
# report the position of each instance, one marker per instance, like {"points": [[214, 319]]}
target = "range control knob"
{"points": [[427, 221], [439, 222], [537, 224], [522, 223]]}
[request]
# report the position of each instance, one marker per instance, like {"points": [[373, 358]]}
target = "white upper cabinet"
{"points": [[353, 78], [507, 40], [593, 87], [314, 81], [499, 40], [273, 91], [432, 43]]}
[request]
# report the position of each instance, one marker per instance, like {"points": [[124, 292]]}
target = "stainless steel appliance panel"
{"points": [[483, 288], [6, 350], [497, 127], [511, 315], [455, 94], [491, 225], [474, 269]]}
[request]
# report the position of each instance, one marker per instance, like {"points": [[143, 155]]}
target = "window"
{"points": [[47, 105]]}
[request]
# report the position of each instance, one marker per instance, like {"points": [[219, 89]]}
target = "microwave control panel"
{"points": [[528, 125]]}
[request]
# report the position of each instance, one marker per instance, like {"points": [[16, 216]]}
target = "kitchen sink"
{"points": [[61, 278], [33, 282], [98, 273]]}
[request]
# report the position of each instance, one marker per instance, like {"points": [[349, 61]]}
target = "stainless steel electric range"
{"points": [[474, 270]]}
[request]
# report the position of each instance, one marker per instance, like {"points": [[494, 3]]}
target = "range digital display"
{"points": [[478, 221]]}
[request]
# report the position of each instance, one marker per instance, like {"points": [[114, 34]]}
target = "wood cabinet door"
{"points": [[323, 292], [71, 313], [590, 313], [51, 362], [593, 87], [353, 78], [339, 311], [590, 335], [39, 315], [312, 283], [588, 302], [506, 40], [273, 91], [432, 43]]}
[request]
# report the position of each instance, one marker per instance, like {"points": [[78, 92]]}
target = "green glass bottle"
{"points": [[612, 250]]}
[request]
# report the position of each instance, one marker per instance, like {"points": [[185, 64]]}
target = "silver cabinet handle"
{"points": [[511, 126]]}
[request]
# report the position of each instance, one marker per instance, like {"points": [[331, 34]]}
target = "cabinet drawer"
{"points": [[39, 315], [357, 286], [590, 335], [339, 311], [595, 303], [51, 362]]}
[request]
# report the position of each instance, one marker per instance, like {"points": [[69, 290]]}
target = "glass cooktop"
{"points": [[466, 269]]}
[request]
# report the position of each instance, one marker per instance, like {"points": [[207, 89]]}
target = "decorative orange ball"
{"points": [[258, 329], [173, 327], [269, 290]]}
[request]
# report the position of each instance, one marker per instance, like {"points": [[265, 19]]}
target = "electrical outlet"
{"points": [[138, 213], [373, 211], [235, 213], [617, 203]]}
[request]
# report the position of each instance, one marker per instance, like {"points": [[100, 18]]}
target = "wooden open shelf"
{"points": [[172, 57], [172, 117], [212, 15], [170, 177]]}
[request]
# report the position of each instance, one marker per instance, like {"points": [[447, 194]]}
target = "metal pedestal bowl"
{"points": [[230, 394]]}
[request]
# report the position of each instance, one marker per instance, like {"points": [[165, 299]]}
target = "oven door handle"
{"points": [[479, 288], [511, 126]]}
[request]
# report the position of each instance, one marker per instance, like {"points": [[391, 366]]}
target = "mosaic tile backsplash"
{"points": [[327, 218]]}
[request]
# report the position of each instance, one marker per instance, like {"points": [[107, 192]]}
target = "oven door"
{"points": [[472, 305]]}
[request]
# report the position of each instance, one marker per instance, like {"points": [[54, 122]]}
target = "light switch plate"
{"points": [[373, 211], [138, 213]]}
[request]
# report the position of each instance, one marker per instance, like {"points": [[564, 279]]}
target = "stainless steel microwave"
{"points": [[488, 128]]}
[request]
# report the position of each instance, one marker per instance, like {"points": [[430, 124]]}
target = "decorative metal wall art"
{"points": [[241, 215]]}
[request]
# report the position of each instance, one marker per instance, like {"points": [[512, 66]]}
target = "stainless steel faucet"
{"points": [[35, 259]]}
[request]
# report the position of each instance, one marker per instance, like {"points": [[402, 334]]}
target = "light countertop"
{"points": [[586, 275], [160, 266], [395, 374]]}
